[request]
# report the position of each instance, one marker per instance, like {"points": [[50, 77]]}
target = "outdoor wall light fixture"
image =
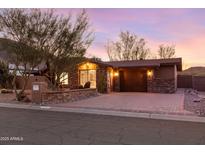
{"points": [[116, 74], [149, 73]]}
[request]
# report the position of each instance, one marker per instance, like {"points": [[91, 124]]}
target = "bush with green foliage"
{"points": [[5, 76], [101, 84], [80, 87], [34, 36]]}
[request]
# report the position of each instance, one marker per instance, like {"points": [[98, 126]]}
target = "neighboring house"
{"points": [[35, 74], [153, 75]]}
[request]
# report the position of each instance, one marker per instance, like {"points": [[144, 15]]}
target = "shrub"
{"points": [[5, 77], [80, 87], [101, 85], [87, 84]]}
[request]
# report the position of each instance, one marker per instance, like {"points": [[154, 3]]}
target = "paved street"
{"points": [[19, 126]]}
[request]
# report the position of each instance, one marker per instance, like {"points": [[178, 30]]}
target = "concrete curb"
{"points": [[185, 118]]}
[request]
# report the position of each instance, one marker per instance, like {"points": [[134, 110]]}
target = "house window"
{"points": [[88, 75], [64, 78]]}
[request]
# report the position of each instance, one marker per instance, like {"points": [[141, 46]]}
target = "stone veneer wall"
{"points": [[163, 80], [67, 96], [161, 85], [101, 79], [73, 78]]}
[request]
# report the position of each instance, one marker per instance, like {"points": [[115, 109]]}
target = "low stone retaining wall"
{"points": [[67, 96], [161, 86]]}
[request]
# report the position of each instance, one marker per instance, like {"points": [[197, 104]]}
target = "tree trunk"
{"points": [[14, 86], [20, 95]]}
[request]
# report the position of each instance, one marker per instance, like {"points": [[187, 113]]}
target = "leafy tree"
{"points": [[42, 36], [25, 59], [166, 51], [22, 36], [5, 76], [71, 43], [127, 47]]}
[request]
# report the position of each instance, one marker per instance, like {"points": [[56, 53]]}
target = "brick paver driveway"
{"points": [[134, 102]]}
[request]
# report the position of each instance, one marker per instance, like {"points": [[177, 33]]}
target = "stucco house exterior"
{"points": [[152, 75]]}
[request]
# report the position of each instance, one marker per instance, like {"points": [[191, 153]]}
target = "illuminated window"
{"points": [[87, 66], [64, 78], [88, 75]]}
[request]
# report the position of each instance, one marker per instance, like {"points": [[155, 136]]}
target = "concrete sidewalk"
{"points": [[189, 118]]}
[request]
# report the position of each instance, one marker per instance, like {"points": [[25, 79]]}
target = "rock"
{"points": [[6, 91], [197, 100], [202, 96]]}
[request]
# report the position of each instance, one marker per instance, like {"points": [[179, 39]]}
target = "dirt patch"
{"points": [[11, 98], [6, 98]]}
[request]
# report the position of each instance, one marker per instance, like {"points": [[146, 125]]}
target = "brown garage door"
{"points": [[133, 80]]}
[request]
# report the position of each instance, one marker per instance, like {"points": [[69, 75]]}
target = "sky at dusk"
{"points": [[184, 28]]}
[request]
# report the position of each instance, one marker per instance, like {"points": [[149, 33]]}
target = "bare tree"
{"points": [[128, 47], [166, 51]]}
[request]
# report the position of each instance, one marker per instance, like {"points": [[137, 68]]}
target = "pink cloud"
{"points": [[192, 50]]}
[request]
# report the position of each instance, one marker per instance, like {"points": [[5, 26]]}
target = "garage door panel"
{"points": [[133, 81]]}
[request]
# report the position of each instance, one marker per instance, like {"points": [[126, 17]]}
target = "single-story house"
{"points": [[151, 75]]}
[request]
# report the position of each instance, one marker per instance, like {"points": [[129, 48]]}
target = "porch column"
{"points": [[73, 78], [101, 79], [116, 80]]}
